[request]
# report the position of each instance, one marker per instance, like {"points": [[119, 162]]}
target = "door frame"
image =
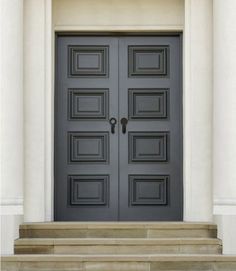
{"points": [[121, 34], [39, 100], [178, 34]]}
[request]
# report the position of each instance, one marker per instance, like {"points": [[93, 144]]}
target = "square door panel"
{"points": [[148, 61], [148, 189], [88, 61], [148, 147], [88, 104], [88, 189], [148, 103], [88, 147]]}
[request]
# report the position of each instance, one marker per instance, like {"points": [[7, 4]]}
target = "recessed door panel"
{"points": [[148, 60], [88, 104], [118, 128], [146, 147], [88, 190], [148, 103], [88, 60], [148, 190]]}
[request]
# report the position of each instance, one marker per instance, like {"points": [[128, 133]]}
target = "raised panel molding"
{"points": [[148, 103], [148, 61], [148, 147], [88, 61], [88, 147], [88, 189], [88, 104], [148, 189]]}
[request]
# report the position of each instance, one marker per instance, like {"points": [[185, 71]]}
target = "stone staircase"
{"points": [[123, 246]]}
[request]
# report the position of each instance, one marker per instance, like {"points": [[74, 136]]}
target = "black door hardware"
{"points": [[123, 122], [113, 122]]}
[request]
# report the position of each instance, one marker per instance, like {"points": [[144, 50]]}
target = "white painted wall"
{"points": [[34, 97], [9, 232], [106, 15], [11, 138], [38, 93], [224, 123], [11, 103], [118, 15], [227, 232], [158, 16], [195, 17], [198, 110], [39, 77], [224, 104]]}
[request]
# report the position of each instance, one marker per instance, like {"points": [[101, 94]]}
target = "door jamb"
{"points": [[113, 33]]}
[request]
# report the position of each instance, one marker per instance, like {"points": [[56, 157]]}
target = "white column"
{"points": [[198, 110], [37, 114], [225, 105], [11, 138], [224, 136]]}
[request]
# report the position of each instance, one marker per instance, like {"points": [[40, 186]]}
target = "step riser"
{"points": [[118, 233], [119, 266], [143, 246], [114, 249]]}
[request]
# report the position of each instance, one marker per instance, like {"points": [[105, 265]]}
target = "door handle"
{"points": [[123, 122], [113, 122]]}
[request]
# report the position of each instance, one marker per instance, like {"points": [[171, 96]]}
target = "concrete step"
{"points": [[170, 262], [118, 230], [118, 246]]}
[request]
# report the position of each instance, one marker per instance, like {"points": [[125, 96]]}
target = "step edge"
{"points": [[120, 225], [117, 241], [123, 258]]}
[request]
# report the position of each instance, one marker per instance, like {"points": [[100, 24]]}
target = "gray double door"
{"points": [[118, 128]]}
